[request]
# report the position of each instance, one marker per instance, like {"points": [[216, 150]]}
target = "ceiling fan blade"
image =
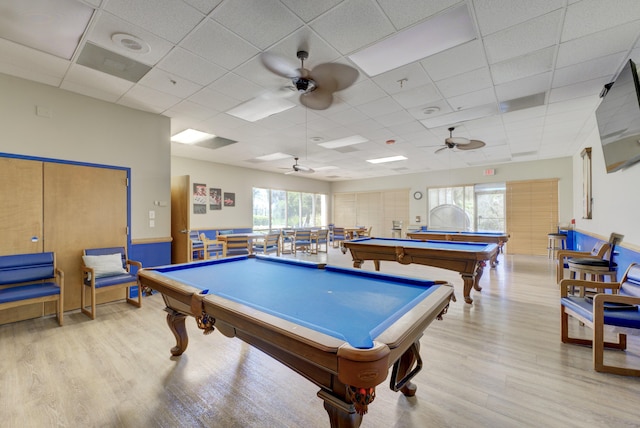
{"points": [[441, 149], [456, 140], [341, 75], [280, 66], [304, 169], [472, 145], [320, 99]]}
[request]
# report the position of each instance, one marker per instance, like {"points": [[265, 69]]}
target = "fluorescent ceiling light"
{"points": [[191, 136], [434, 35], [273, 157], [52, 26], [385, 160], [342, 142], [260, 107]]}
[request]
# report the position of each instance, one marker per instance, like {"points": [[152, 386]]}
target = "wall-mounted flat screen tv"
{"points": [[618, 117]]}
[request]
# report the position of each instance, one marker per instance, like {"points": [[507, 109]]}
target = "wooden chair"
{"points": [[365, 233], [213, 246], [601, 310], [269, 244], [105, 269], [237, 245], [596, 269], [301, 240], [599, 251], [196, 247], [319, 238], [339, 235]]}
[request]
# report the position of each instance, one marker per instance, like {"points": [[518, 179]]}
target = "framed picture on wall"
{"points": [[215, 199], [229, 199], [199, 198]]}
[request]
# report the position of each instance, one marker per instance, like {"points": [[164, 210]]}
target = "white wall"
{"points": [[616, 205], [516, 171], [240, 181], [87, 130]]}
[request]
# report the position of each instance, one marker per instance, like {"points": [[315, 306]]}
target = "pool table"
{"points": [[444, 235], [340, 328], [468, 258]]}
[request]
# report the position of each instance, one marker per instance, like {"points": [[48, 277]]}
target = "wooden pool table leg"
{"points": [[341, 413], [175, 320], [469, 283]]}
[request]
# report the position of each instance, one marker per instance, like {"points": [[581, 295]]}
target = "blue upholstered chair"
{"points": [[105, 269], [196, 247], [212, 247], [237, 245], [339, 235], [269, 244], [617, 308], [318, 239], [301, 240]]}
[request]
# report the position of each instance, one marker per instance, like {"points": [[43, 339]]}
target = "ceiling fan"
{"points": [[316, 86], [300, 168], [460, 143]]}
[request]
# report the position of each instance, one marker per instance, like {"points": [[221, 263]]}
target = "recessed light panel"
{"points": [[191, 136], [434, 35], [385, 160], [342, 142]]}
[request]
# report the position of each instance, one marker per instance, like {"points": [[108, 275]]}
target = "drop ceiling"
{"points": [[527, 82]]}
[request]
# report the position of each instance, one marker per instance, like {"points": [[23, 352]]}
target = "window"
{"points": [[473, 208], [278, 209]]}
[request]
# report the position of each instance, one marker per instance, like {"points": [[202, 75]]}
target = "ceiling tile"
{"points": [[618, 39], [533, 35], [405, 13], [31, 64], [352, 25], [169, 19], [402, 79], [261, 22], [204, 6], [217, 44], [463, 83], [310, 10], [523, 87], [590, 16], [523, 66], [107, 25], [420, 96], [605, 66], [144, 98], [577, 90], [169, 83], [185, 64], [92, 83], [496, 15], [213, 99], [454, 61], [472, 99]]}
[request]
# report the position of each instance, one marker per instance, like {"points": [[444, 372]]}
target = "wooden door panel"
{"points": [[84, 207], [20, 220], [180, 219], [20, 206]]}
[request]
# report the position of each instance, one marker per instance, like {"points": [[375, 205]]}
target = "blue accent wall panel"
{"points": [[153, 254], [622, 256]]}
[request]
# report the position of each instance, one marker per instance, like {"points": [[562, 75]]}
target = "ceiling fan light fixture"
{"points": [[303, 84]]}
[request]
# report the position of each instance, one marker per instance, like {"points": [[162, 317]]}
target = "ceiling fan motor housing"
{"points": [[303, 84]]}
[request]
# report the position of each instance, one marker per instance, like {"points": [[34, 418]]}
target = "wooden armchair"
{"points": [[196, 247], [599, 251], [339, 235], [269, 244], [318, 239], [301, 240], [237, 245], [618, 310], [105, 269], [213, 246]]}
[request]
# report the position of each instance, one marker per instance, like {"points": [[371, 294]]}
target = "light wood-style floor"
{"points": [[496, 363]]}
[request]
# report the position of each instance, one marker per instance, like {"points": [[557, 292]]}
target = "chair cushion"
{"points": [[583, 307], [32, 291], [225, 232], [106, 265], [590, 262], [123, 278]]}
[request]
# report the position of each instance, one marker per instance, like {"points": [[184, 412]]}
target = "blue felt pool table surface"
{"points": [[349, 304], [430, 245]]}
